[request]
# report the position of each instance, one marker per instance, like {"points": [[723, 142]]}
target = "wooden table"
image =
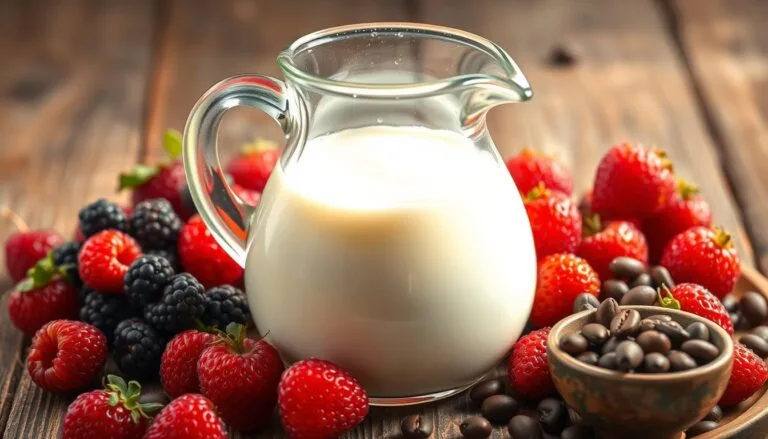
{"points": [[87, 87]]}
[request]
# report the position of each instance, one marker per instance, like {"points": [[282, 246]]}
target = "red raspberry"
{"points": [[555, 221], [104, 259], [30, 307], [748, 375], [562, 277], [252, 167], [697, 300], [240, 376], [603, 243], [530, 168], [66, 355], [705, 256], [24, 248], [204, 258], [528, 366], [189, 416], [178, 367], [318, 400], [632, 182]]}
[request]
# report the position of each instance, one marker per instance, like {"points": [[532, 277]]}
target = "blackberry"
{"points": [[102, 215], [225, 304], [182, 304], [146, 278], [171, 255], [155, 224], [105, 311], [138, 349], [66, 254]]}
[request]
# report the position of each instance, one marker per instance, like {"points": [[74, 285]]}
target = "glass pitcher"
{"points": [[390, 238]]}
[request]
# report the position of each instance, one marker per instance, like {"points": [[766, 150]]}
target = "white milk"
{"points": [[402, 254]]}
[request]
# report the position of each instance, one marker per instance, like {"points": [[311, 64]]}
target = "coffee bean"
{"points": [[754, 308], [648, 324], [589, 357], [701, 351], [660, 317], [698, 331], [730, 303], [484, 389], [644, 279], [760, 331], [524, 427], [661, 277], [655, 362], [640, 295], [416, 427], [700, 428], [736, 319], [574, 344], [606, 312], [499, 408], [613, 289], [625, 323], [577, 432], [595, 333], [610, 345], [676, 333], [627, 268], [629, 355], [585, 302], [680, 361], [715, 414], [654, 341], [476, 427], [553, 415], [755, 344], [608, 361]]}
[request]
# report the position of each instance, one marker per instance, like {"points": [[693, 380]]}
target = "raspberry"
{"points": [[178, 366], [102, 215], [138, 348], [202, 256], [155, 224], [182, 303], [146, 278], [65, 255], [225, 304], [188, 417], [66, 355], [528, 366], [104, 260], [105, 311]]}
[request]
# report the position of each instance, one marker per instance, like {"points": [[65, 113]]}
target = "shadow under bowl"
{"points": [[639, 405]]}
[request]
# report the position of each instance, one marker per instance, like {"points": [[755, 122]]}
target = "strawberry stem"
{"points": [[19, 223], [722, 238], [537, 192], [686, 189], [129, 394], [257, 146], [668, 300], [591, 225]]}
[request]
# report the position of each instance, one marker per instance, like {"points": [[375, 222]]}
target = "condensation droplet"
{"points": [[379, 120], [354, 96], [398, 60], [374, 34], [400, 35]]}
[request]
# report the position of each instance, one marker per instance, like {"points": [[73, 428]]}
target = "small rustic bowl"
{"points": [[620, 405]]}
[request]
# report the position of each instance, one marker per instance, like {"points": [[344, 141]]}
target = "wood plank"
{"points": [[70, 117], [725, 44]]}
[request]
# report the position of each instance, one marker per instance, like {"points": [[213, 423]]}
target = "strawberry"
{"points": [[240, 376], [178, 366], [686, 209], [555, 221], [319, 400], [748, 375], [189, 416], [562, 277], [528, 366], [204, 258], [705, 256], [697, 300], [530, 168], [248, 196], [25, 247], [602, 243], [104, 259], [66, 355], [164, 180], [114, 412], [632, 182], [252, 167]]}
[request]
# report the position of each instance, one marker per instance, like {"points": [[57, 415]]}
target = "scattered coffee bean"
{"points": [[416, 427], [585, 302], [660, 317], [610, 345], [730, 303], [661, 277], [484, 389], [761, 331], [714, 415], [754, 308], [524, 427], [654, 341], [613, 289], [676, 333], [553, 415], [755, 344], [700, 428], [595, 333], [698, 331], [680, 361], [655, 362], [608, 361], [476, 427], [606, 312], [639, 295], [629, 355], [625, 323], [626, 268], [589, 357], [701, 351], [499, 408], [574, 344], [644, 279], [576, 432], [736, 319], [648, 324]]}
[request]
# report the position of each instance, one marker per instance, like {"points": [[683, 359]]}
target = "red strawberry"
{"points": [[114, 413], [530, 168], [178, 367], [705, 256], [104, 259], [204, 258], [632, 182], [189, 416], [252, 167], [696, 299], [66, 355], [555, 221], [686, 209], [562, 277], [248, 196], [748, 375], [528, 366], [319, 400], [603, 243], [25, 247]]}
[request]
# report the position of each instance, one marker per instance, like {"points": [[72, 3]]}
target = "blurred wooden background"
{"points": [[88, 86]]}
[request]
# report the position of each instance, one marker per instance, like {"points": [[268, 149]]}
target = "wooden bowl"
{"points": [[620, 405]]}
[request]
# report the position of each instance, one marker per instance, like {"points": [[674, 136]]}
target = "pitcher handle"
{"points": [[225, 214]]}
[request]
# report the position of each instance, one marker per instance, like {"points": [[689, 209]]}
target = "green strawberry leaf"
{"points": [[172, 143], [40, 275], [137, 177], [668, 300]]}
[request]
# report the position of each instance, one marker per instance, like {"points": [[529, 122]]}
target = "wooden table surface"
{"points": [[88, 86]]}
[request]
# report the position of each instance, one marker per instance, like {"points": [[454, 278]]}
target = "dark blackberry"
{"points": [[225, 304], [146, 278], [171, 255], [155, 224], [102, 215], [66, 255], [138, 348], [182, 304], [105, 311]]}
